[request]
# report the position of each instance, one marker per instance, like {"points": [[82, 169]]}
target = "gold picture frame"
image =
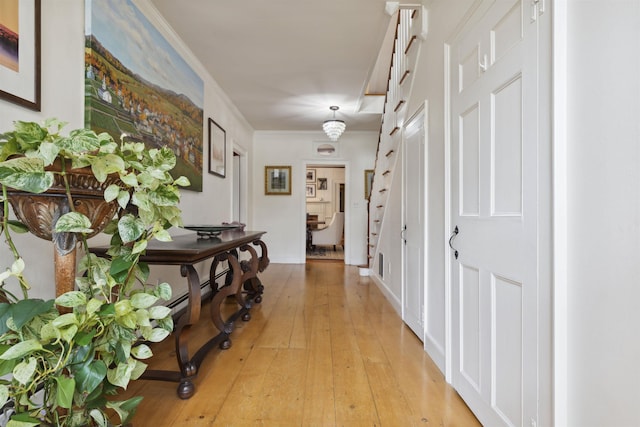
{"points": [[277, 180]]}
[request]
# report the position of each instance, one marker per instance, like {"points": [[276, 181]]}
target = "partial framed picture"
{"points": [[311, 190], [368, 182], [311, 175], [20, 67], [217, 149], [277, 180]]}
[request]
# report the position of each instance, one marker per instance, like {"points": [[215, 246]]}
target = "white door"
{"points": [[414, 226], [494, 196]]}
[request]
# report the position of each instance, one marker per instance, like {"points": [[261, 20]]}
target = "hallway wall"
{"points": [[603, 230], [283, 217], [63, 97]]}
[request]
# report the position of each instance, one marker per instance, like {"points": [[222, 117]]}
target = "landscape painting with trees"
{"points": [[137, 84]]}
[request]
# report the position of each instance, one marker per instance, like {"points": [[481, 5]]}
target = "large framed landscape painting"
{"points": [[137, 84]]}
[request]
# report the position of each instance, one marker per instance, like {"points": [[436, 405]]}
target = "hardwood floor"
{"points": [[324, 348]]}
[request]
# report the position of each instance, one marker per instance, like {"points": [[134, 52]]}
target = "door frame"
{"points": [[347, 197], [418, 118], [244, 181], [552, 172]]}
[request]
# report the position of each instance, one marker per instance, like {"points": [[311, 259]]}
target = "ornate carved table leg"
{"points": [[225, 327], [188, 370], [249, 271], [253, 284]]}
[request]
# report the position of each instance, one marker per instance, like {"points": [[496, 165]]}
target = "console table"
{"points": [[241, 282]]}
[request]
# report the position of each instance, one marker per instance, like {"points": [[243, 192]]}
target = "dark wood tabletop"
{"points": [[190, 248]]}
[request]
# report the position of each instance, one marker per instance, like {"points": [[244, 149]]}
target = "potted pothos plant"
{"points": [[62, 360]]}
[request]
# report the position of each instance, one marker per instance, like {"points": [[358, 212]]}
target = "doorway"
{"points": [[325, 189]]}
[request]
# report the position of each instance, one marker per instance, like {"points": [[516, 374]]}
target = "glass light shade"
{"points": [[333, 128]]}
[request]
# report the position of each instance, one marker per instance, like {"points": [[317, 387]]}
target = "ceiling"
{"points": [[283, 63]]}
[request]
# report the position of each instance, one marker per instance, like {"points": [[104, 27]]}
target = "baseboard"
{"points": [[393, 300]]}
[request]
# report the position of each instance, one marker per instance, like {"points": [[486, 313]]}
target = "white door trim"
{"points": [[347, 211]]}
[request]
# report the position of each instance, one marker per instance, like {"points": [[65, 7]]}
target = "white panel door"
{"points": [[413, 288], [494, 191]]}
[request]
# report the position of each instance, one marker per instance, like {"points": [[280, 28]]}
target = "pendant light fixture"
{"points": [[334, 127]]}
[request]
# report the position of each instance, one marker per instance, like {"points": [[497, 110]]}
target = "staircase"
{"points": [[411, 29]]}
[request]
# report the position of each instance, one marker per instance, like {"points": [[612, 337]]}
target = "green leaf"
{"points": [[139, 247], [23, 372], [84, 338], [142, 351], [17, 226], [165, 196], [123, 199], [159, 312], [138, 370], [130, 228], [107, 310], [69, 333], [25, 310], [71, 299], [183, 181], [7, 366], [155, 334], [65, 320], [48, 151], [121, 375], [21, 349], [22, 420], [26, 174], [89, 376], [111, 192], [105, 165], [99, 417], [64, 391], [120, 268], [4, 394], [143, 300], [49, 332], [127, 409], [5, 313], [129, 179], [163, 236], [123, 307], [164, 291], [94, 305], [73, 222], [79, 141]]}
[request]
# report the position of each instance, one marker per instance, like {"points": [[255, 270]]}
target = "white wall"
{"points": [[603, 175], [63, 97], [283, 217]]}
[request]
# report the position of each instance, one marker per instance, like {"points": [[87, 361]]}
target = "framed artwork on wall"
{"points": [[311, 190], [126, 92], [311, 175], [322, 184], [277, 180], [217, 149], [20, 68], [368, 182]]}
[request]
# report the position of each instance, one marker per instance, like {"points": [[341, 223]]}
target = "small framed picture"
{"points": [[311, 175], [322, 184], [368, 182], [277, 180], [217, 149], [311, 190]]}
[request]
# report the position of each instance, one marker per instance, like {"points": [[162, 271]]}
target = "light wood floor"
{"points": [[324, 348]]}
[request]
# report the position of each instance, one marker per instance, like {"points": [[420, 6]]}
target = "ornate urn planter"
{"points": [[39, 212]]}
